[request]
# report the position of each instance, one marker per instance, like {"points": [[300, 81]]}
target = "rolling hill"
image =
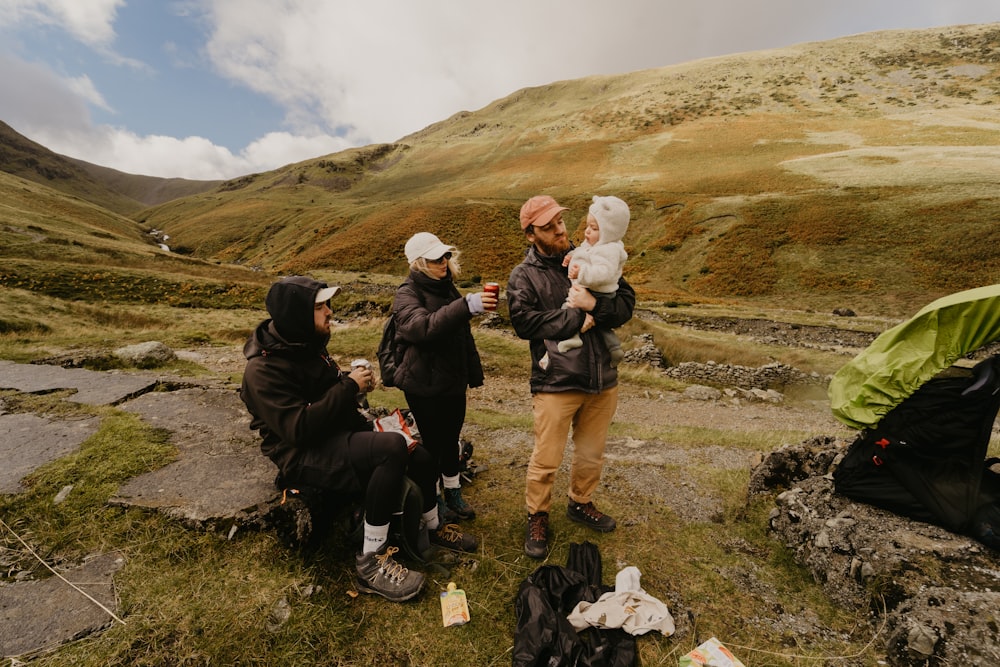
{"points": [[112, 189], [856, 172]]}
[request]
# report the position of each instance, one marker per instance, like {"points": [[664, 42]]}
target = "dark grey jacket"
{"points": [[432, 320], [536, 290], [301, 403]]}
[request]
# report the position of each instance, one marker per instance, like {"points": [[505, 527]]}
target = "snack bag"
{"points": [[710, 654], [454, 606]]}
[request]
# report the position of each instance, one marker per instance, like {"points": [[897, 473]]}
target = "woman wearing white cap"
{"points": [[439, 364]]}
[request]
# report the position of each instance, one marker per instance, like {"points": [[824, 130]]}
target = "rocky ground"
{"points": [[931, 594]]}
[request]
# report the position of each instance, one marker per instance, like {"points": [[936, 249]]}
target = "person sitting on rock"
{"points": [[306, 410]]}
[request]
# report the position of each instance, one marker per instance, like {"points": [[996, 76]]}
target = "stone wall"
{"points": [[770, 376]]}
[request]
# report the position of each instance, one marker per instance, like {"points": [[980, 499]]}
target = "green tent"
{"points": [[906, 356]]}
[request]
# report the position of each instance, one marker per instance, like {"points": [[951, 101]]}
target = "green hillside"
{"points": [[855, 172], [61, 246], [860, 171]]}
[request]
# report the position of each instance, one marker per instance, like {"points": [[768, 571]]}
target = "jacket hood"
{"points": [[612, 216], [290, 303]]}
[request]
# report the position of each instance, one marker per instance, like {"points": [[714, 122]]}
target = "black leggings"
{"points": [[381, 461], [440, 420]]}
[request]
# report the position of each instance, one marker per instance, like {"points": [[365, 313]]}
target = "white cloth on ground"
{"points": [[627, 607]]}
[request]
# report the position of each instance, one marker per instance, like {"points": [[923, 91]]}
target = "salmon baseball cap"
{"points": [[539, 210]]}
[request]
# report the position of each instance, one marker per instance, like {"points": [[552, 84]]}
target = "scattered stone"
{"points": [[697, 392], [146, 355], [281, 611], [62, 495], [843, 312]]}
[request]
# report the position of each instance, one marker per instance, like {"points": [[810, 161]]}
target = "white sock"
{"points": [[430, 519], [451, 482], [375, 537]]}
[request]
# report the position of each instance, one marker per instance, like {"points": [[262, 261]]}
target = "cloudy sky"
{"points": [[210, 89]]}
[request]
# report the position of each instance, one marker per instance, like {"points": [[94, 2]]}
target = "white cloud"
{"points": [[383, 70], [89, 21], [191, 157], [355, 73], [280, 148], [83, 87], [35, 97], [380, 70]]}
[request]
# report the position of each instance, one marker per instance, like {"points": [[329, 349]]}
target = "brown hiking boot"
{"points": [[536, 536], [450, 537]]}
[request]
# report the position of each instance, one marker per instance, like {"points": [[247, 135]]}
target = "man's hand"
{"points": [[580, 297], [364, 378]]}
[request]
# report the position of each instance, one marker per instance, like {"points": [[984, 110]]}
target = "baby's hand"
{"points": [[574, 271], [567, 258]]}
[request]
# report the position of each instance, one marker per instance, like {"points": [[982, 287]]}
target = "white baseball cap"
{"points": [[327, 293], [426, 245]]}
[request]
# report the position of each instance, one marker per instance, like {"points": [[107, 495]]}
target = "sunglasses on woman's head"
{"points": [[443, 258]]}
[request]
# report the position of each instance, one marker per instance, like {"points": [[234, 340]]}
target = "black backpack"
{"points": [[390, 352], [390, 349], [926, 458]]}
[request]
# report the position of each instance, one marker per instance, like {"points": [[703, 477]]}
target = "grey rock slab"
{"points": [[220, 473], [92, 387], [44, 614], [28, 441]]}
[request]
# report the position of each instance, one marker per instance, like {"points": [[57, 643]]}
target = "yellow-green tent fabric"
{"points": [[906, 356]]}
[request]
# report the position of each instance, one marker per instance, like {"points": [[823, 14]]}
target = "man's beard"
{"points": [[558, 247]]}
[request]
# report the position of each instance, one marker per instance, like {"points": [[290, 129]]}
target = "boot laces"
{"points": [[536, 527], [450, 532], [389, 567]]}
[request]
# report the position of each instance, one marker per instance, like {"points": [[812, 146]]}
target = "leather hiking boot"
{"points": [[536, 536], [450, 537], [378, 573], [590, 516], [453, 499]]}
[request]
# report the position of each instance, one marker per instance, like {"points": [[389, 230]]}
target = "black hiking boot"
{"points": [[590, 516], [453, 499]]}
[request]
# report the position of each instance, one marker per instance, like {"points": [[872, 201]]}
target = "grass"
{"points": [[193, 598]]}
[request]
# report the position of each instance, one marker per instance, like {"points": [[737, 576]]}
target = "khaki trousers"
{"points": [[589, 415]]}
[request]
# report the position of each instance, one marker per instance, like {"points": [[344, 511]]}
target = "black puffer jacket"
{"points": [[440, 356], [296, 395], [536, 290]]}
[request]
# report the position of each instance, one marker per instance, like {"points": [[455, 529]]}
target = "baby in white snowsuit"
{"points": [[597, 262]]}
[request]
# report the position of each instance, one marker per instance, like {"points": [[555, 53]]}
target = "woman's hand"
{"points": [[489, 300], [363, 377]]}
